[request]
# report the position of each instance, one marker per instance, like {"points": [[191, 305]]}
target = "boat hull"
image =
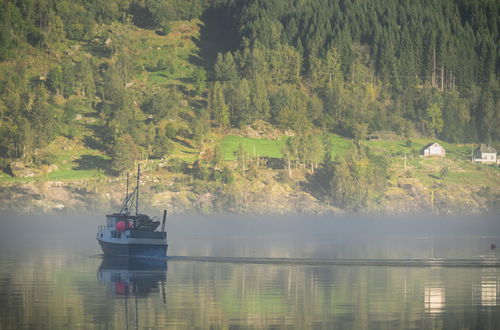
{"points": [[133, 250]]}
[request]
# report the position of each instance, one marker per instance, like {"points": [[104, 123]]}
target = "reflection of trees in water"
{"points": [[64, 292], [306, 296]]}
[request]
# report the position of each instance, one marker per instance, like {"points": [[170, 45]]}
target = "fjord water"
{"points": [[53, 276]]}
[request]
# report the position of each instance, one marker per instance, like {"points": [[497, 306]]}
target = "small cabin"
{"points": [[485, 153], [433, 149]]}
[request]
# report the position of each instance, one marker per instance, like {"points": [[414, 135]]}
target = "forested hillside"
{"points": [[88, 88], [426, 67], [62, 60]]}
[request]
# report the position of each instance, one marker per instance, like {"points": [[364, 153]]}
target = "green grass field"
{"points": [[339, 145], [73, 161], [261, 147], [272, 148]]}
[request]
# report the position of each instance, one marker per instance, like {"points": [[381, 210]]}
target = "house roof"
{"points": [[486, 148], [432, 144]]}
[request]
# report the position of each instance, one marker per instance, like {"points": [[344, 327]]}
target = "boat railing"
{"points": [[101, 228], [147, 234]]}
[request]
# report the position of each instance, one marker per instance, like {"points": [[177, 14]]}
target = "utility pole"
{"points": [[442, 78], [434, 67]]}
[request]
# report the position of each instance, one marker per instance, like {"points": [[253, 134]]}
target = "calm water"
{"points": [[52, 275]]}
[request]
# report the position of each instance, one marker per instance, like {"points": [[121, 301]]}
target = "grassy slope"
{"points": [[261, 147], [426, 170]]}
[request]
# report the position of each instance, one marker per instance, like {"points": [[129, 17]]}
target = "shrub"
{"points": [[408, 174], [177, 165], [49, 158], [227, 175], [170, 131], [161, 65]]}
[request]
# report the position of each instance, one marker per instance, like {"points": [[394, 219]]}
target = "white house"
{"points": [[433, 149], [485, 154]]}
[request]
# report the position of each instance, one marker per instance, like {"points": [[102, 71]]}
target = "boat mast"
{"points": [[126, 198], [137, 190]]}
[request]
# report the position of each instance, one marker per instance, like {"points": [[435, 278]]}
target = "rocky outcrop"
{"points": [[262, 196], [20, 170]]}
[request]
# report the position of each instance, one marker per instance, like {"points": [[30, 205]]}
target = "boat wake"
{"points": [[433, 262]]}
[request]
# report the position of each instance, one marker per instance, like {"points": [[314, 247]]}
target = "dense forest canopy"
{"points": [[438, 61], [428, 68]]}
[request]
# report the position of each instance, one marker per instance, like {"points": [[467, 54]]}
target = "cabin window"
{"points": [[110, 221]]}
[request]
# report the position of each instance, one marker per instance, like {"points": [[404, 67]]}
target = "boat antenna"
{"points": [[126, 198], [137, 190]]}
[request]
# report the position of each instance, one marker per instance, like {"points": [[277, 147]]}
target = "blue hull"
{"points": [[133, 250]]}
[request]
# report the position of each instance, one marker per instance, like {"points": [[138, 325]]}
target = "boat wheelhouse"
{"points": [[135, 235]]}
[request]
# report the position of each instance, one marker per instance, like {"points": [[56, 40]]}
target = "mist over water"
{"points": [[52, 274], [297, 236], [333, 236]]}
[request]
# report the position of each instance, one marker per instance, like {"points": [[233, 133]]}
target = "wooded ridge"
{"points": [[216, 97]]}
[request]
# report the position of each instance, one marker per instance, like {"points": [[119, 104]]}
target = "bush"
{"points": [[177, 166], [227, 175], [161, 146], [159, 188], [49, 158], [484, 192], [444, 172], [176, 187], [161, 65], [164, 29], [4, 164], [216, 176], [171, 131]]}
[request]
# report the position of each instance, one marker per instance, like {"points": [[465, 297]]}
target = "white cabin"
{"points": [[433, 149], [485, 153]]}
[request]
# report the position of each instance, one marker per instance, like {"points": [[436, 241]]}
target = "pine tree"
{"points": [[124, 153], [217, 105]]}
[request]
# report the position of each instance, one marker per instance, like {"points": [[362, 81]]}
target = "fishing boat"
{"points": [[133, 235]]}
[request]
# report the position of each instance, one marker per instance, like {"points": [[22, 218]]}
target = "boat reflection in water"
{"points": [[139, 277], [133, 280]]}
